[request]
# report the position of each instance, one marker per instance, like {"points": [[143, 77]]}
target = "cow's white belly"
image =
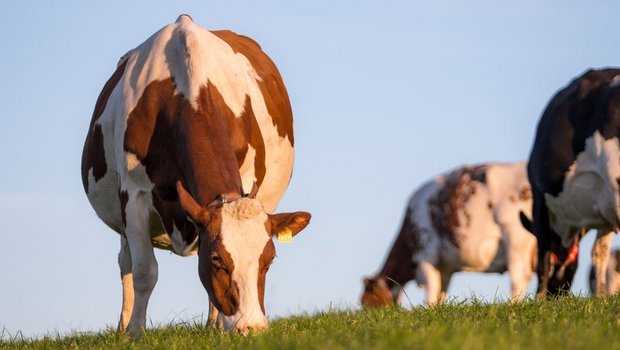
{"points": [[589, 197]]}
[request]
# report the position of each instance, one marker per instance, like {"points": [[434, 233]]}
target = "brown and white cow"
{"points": [[189, 119], [465, 220]]}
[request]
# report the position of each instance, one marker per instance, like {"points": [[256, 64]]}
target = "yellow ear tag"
{"points": [[285, 236]]}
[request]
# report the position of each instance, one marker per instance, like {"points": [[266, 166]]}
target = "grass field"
{"points": [[565, 323]]}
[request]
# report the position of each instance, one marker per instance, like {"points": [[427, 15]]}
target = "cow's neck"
{"points": [[210, 167], [398, 267]]}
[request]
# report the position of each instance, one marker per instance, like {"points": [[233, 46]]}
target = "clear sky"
{"points": [[385, 95]]}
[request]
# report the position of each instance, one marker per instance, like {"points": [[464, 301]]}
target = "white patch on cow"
{"points": [[244, 237], [132, 161], [247, 168], [615, 82], [103, 196], [419, 214], [589, 196]]}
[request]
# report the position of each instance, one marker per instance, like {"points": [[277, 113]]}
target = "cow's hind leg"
{"points": [[143, 262], [124, 262], [445, 281], [600, 260]]}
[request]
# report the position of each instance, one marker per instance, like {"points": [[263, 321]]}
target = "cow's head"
{"points": [[377, 293], [557, 263], [235, 253], [556, 268]]}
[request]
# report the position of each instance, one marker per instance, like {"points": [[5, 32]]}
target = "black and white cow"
{"points": [[465, 220], [574, 170]]}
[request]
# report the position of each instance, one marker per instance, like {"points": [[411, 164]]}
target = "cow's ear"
{"points": [[188, 203], [289, 222], [526, 222]]}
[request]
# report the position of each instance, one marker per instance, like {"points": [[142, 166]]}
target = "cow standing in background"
{"points": [[574, 170], [189, 120], [466, 220]]}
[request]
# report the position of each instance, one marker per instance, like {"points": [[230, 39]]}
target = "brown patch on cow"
{"points": [[271, 84], [264, 262], [123, 197], [93, 155], [450, 200]]}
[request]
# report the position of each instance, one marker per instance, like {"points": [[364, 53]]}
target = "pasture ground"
{"points": [[569, 322]]}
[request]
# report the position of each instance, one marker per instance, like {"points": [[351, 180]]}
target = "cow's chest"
{"points": [[589, 196]]}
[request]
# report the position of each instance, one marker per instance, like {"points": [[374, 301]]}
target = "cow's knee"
{"points": [[145, 276]]}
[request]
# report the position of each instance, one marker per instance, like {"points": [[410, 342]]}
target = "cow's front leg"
{"points": [[124, 262], [600, 260], [522, 257], [432, 277], [143, 263], [520, 271]]}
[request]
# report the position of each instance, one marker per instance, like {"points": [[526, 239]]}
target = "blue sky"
{"points": [[384, 97]]}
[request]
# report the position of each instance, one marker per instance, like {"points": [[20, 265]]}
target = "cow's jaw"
{"points": [[244, 236]]}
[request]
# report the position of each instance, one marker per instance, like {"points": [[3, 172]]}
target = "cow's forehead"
{"points": [[243, 233]]}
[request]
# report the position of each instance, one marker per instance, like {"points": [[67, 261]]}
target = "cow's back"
{"points": [[185, 71]]}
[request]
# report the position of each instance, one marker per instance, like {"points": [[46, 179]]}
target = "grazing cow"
{"points": [[189, 119], [612, 275], [574, 170], [465, 220]]}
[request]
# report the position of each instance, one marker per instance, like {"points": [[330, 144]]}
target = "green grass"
{"points": [[566, 323]]}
